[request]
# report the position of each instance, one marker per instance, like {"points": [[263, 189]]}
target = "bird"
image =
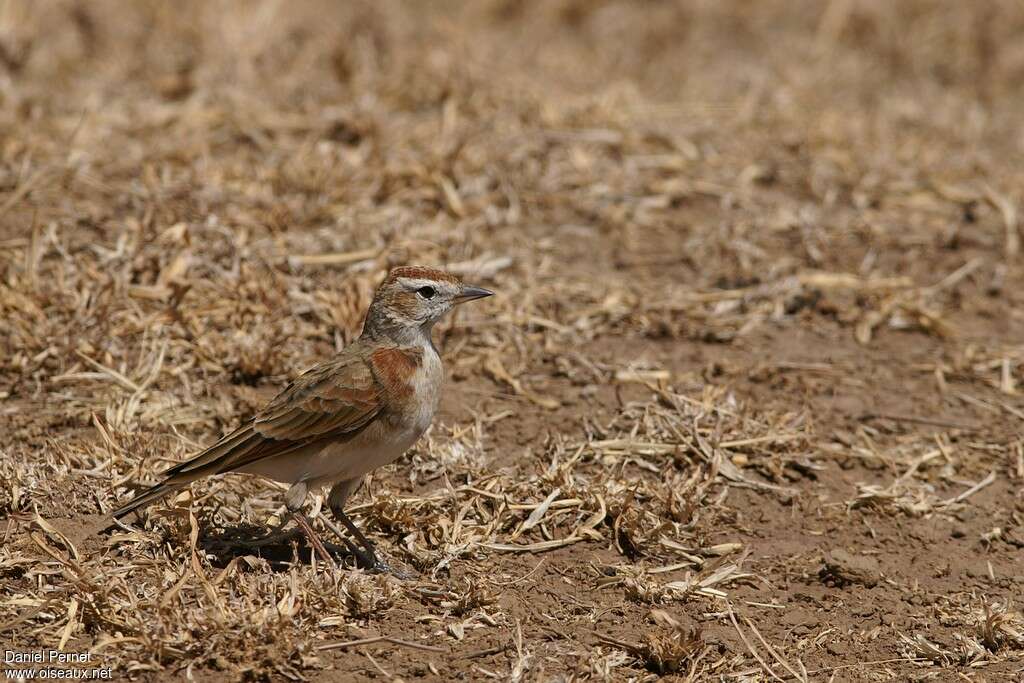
{"points": [[345, 416]]}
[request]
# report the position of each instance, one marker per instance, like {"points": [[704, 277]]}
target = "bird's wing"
{"points": [[333, 399], [339, 396]]}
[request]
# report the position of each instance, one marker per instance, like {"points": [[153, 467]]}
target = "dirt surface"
{"points": [[747, 405]]}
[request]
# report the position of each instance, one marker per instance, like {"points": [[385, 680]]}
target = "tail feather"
{"points": [[234, 451], [148, 496], [220, 456], [216, 459]]}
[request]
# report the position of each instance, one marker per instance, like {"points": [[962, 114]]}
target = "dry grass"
{"points": [[709, 225]]}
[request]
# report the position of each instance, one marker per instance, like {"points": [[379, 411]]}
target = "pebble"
{"points": [[842, 568]]}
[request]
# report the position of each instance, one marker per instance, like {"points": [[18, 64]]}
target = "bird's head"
{"points": [[412, 298]]}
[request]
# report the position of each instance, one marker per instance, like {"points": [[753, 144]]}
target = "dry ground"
{"points": [[747, 407]]}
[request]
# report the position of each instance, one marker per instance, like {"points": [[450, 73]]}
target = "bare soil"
{"points": [[748, 404]]}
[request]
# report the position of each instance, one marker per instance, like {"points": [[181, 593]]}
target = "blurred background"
{"points": [[846, 94], [519, 113], [658, 145]]}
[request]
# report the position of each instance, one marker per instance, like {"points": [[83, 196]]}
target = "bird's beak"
{"points": [[471, 293]]}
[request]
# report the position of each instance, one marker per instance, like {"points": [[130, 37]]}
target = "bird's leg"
{"points": [[293, 500], [339, 495], [354, 549], [296, 496], [314, 539], [365, 556]]}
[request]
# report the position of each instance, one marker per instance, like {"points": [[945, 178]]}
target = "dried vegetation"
{"points": [[758, 330]]}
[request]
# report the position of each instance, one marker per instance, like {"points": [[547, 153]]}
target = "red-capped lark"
{"points": [[347, 416]]}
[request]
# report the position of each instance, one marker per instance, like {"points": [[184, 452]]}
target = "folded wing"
{"points": [[333, 400]]}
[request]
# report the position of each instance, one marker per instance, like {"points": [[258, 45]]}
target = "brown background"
{"points": [[758, 322]]}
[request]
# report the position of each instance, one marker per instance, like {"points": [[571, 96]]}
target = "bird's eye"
{"points": [[426, 292]]}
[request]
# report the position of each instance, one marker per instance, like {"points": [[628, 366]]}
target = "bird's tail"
{"points": [[110, 520], [223, 456], [150, 495]]}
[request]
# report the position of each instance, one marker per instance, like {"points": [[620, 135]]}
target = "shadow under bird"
{"points": [[347, 416]]}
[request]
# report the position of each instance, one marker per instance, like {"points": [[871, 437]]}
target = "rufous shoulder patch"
{"points": [[395, 369]]}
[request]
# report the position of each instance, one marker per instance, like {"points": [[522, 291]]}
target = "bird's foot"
{"points": [[375, 564], [370, 561]]}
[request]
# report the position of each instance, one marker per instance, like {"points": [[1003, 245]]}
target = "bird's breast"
{"points": [[406, 415], [426, 393], [411, 410]]}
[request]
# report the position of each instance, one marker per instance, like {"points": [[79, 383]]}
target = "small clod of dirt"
{"points": [[844, 569]]}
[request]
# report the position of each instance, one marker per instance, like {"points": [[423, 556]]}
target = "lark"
{"points": [[346, 416]]}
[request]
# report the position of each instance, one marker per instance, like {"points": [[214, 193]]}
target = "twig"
{"points": [[771, 438], [967, 398], [540, 546], [955, 277], [771, 650], [971, 491], [380, 639], [476, 654], [110, 372], [935, 422], [23, 190], [377, 666], [335, 259], [1008, 209], [743, 637], [521, 578], [895, 660]]}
